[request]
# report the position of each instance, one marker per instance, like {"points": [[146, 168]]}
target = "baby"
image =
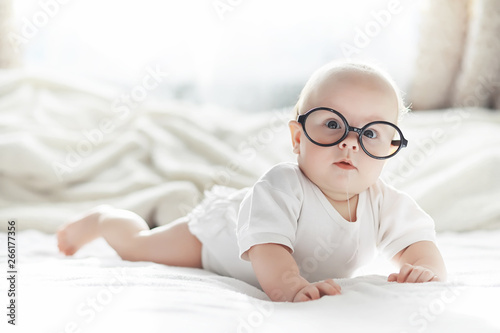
{"points": [[302, 224]]}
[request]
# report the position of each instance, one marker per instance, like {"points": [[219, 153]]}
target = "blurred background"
{"points": [[249, 55]]}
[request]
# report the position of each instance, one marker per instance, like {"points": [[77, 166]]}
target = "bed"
{"points": [[157, 158], [96, 291]]}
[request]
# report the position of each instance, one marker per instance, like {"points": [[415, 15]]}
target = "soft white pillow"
{"points": [[451, 166]]}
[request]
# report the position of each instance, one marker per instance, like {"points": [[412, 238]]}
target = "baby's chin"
{"points": [[337, 182], [357, 182], [350, 182]]}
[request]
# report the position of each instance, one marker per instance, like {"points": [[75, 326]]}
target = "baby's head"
{"points": [[358, 94], [335, 70]]}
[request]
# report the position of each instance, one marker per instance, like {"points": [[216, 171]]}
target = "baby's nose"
{"points": [[351, 142]]}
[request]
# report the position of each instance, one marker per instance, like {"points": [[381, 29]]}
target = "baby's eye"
{"points": [[371, 134], [332, 124]]}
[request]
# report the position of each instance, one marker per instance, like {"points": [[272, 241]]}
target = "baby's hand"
{"points": [[412, 274], [317, 290]]}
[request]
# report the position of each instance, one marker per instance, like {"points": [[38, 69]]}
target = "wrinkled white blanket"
{"points": [[66, 146], [96, 291]]}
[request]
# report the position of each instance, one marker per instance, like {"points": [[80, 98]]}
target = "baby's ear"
{"points": [[296, 132]]}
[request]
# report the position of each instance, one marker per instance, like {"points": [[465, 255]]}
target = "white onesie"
{"points": [[285, 207]]}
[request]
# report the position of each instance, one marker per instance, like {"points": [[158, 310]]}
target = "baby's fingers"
{"points": [[412, 274], [301, 297], [329, 287], [313, 292], [393, 277], [420, 274], [415, 275], [404, 272], [317, 290], [426, 276], [308, 293]]}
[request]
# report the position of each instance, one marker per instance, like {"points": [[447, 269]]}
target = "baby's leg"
{"points": [[129, 235]]}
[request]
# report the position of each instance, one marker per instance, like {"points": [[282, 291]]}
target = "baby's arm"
{"points": [[279, 275], [419, 262]]}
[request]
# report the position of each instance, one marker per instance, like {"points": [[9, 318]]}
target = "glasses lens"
{"points": [[381, 139], [324, 127]]}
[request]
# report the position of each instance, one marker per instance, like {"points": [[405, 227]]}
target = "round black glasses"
{"points": [[326, 127]]}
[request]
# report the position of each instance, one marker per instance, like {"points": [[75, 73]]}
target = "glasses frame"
{"points": [[303, 117]]}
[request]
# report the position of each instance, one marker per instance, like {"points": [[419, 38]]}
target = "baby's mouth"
{"points": [[345, 164]]}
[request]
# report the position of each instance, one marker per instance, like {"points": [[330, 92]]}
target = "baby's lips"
{"points": [[345, 164]]}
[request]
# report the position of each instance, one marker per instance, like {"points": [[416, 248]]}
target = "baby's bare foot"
{"points": [[75, 234]]}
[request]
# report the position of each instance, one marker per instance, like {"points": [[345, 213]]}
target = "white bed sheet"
{"points": [[96, 291]]}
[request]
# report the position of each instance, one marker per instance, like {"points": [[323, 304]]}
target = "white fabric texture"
{"points": [[285, 207], [67, 146], [96, 291], [213, 222], [451, 166]]}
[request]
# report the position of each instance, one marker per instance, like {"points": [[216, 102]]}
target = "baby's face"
{"points": [[360, 98]]}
